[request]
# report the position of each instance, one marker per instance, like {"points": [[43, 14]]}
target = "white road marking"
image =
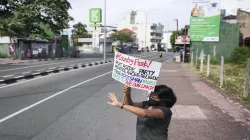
{"points": [[18, 77], [8, 76], [26, 72], [52, 75], [50, 97], [43, 65], [36, 73]]}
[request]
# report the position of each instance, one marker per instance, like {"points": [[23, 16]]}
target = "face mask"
{"points": [[153, 102]]}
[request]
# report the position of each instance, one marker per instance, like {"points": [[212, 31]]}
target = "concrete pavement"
{"points": [[201, 113], [71, 103]]}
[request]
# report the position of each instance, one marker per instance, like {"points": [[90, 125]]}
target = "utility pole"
{"points": [[105, 33], [146, 25], [185, 44], [177, 25]]}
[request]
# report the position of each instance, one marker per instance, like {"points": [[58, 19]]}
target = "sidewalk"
{"points": [[11, 61], [201, 113]]}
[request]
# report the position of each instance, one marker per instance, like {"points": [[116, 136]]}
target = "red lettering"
{"points": [[149, 63], [128, 83], [151, 88], [138, 84], [147, 87], [126, 59]]}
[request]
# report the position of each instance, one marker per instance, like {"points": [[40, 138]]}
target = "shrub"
{"points": [[2, 55], [214, 61], [240, 55]]}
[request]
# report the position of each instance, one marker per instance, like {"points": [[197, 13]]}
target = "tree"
{"points": [[172, 39], [80, 31], [121, 37], [24, 18]]}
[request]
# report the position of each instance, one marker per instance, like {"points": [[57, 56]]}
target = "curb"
{"points": [[46, 59], [42, 72], [62, 58], [32, 74]]}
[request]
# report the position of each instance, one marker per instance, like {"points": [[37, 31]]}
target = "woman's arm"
{"points": [[154, 113], [128, 99]]}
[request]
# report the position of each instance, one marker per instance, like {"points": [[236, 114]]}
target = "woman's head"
{"points": [[163, 96]]}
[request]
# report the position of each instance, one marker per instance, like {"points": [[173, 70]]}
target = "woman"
{"points": [[153, 116], [12, 51]]}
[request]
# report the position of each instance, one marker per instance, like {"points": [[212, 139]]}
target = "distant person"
{"points": [[153, 115], [28, 53], [181, 56], [40, 51], [12, 51]]}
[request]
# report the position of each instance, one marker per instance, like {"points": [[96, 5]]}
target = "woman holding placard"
{"points": [[153, 115]]}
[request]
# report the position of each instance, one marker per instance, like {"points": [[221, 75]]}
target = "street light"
{"points": [[105, 33], [146, 14]]}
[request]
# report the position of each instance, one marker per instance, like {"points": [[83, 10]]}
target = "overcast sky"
{"points": [[167, 10]]}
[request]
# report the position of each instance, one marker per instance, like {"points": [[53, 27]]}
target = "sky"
{"points": [[165, 13]]}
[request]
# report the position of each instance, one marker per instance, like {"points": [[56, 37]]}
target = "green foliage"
{"points": [[80, 31], [3, 55], [23, 18], [214, 61], [172, 38], [240, 55], [121, 37]]}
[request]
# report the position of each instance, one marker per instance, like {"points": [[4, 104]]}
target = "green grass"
{"points": [[233, 78]]}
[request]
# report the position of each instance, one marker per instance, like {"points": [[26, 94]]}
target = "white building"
{"points": [[166, 39], [154, 32]]}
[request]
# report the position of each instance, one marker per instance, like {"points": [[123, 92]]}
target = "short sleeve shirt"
{"points": [[151, 128]]}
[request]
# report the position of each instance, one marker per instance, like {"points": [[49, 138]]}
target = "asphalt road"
{"points": [[65, 106], [7, 70], [12, 69]]}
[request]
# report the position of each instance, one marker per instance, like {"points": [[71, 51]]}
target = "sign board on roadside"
{"points": [[135, 72], [205, 20], [95, 15], [96, 40]]}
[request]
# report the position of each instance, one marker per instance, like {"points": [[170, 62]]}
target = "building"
{"points": [[87, 47], [231, 19], [28, 48], [243, 18], [166, 39], [148, 35]]}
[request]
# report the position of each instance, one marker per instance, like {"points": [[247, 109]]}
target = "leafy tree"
{"points": [[80, 31], [23, 18], [172, 39], [121, 37]]}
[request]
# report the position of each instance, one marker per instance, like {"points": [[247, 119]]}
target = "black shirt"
{"points": [[151, 128]]}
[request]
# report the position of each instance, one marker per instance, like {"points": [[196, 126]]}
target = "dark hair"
{"points": [[166, 95]]}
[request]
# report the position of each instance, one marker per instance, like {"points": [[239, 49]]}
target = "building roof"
{"points": [[230, 17], [239, 10], [125, 30]]}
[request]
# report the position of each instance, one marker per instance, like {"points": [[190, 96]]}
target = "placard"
{"points": [[135, 72]]}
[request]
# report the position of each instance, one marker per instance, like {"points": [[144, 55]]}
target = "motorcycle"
{"points": [[160, 55]]}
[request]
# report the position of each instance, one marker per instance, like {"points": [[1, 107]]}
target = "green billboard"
{"points": [[95, 15], [205, 20]]}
